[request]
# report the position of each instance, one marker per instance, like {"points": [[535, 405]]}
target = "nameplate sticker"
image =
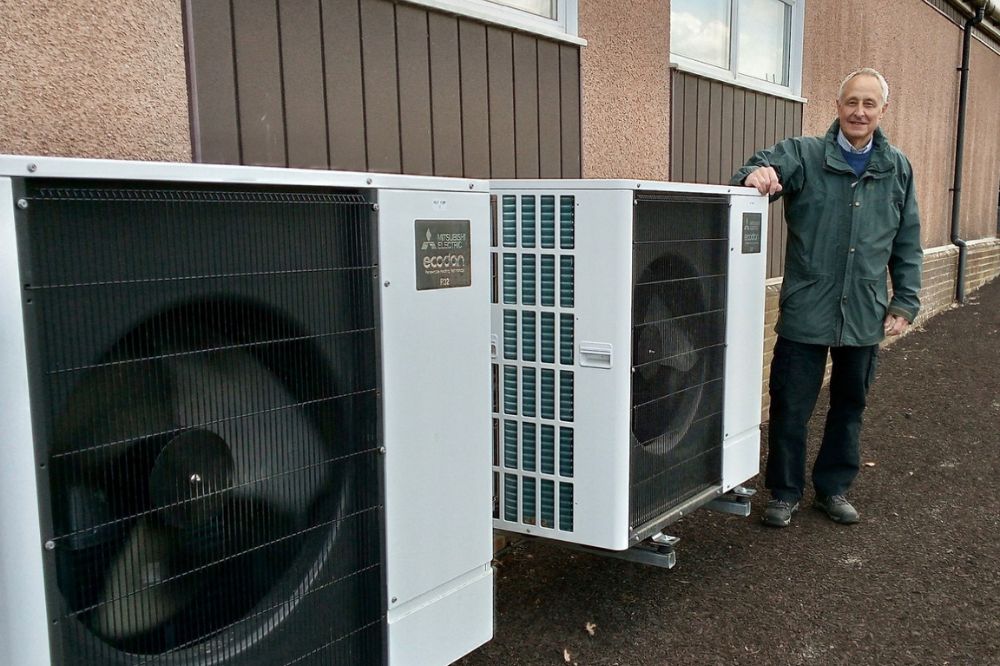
{"points": [[751, 233], [444, 254]]}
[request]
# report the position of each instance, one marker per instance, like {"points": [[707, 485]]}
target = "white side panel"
{"points": [[23, 620], [602, 316], [744, 346], [436, 396], [446, 625]]}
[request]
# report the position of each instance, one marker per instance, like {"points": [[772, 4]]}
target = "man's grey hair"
{"points": [[869, 72]]}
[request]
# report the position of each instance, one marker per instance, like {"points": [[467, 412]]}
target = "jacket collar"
{"points": [[880, 163]]}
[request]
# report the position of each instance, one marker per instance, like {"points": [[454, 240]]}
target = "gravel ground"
{"points": [[916, 582]]}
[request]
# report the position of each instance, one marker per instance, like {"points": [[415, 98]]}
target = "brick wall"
{"points": [[936, 294]]}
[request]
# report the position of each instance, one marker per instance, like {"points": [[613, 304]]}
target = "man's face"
{"points": [[860, 109]]}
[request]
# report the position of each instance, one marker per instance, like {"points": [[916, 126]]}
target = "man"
{"points": [[851, 212]]}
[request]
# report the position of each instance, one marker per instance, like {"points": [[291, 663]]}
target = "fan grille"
{"points": [[206, 362], [680, 259]]}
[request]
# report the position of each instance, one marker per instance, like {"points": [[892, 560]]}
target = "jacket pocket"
{"points": [[793, 284]]}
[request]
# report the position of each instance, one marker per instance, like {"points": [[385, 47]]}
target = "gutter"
{"points": [[991, 14], [956, 190]]}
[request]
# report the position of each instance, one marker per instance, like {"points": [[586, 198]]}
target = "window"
{"points": [[556, 19], [755, 43]]}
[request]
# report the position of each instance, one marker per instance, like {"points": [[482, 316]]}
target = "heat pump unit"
{"points": [[627, 354], [237, 416]]}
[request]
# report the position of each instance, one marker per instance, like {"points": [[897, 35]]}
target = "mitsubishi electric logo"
{"points": [[443, 254]]}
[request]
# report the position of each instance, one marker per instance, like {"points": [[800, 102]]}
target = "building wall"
{"points": [[103, 79], [625, 88], [380, 86], [918, 50]]}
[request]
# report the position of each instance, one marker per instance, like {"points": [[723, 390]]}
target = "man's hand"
{"points": [[894, 324], [765, 179]]}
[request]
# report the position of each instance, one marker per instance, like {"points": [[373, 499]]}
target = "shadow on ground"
{"points": [[916, 582]]}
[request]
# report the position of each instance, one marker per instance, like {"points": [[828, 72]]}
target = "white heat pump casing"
{"points": [[434, 347], [602, 386]]}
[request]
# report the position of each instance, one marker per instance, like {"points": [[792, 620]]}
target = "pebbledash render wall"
{"points": [[102, 79]]}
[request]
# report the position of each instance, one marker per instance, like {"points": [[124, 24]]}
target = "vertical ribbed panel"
{"points": [[547, 450], [528, 334], [509, 221], [509, 389], [566, 452], [566, 506], [529, 436], [548, 337], [548, 280], [565, 395], [510, 444], [528, 279], [510, 334], [567, 222], [528, 392], [528, 500], [510, 497], [566, 342], [566, 282], [509, 278], [548, 503], [548, 221], [528, 221], [544, 295]]}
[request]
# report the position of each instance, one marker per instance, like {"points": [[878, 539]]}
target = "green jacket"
{"points": [[843, 233]]}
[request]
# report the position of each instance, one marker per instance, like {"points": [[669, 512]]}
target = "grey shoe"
{"points": [[838, 509], [779, 513]]}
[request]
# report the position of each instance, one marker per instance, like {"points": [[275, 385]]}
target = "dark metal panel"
{"points": [[676, 124], [749, 123], [414, 91], [760, 129], [549, 111], [726, 140], [525, 106], [302, 72], [381, 89], [770, 132], [689, 108], [475, 99], [215, 125], [344, 88], [797, 121], [446, 102], [500, 59], [258, 81], [569, 82], [714, 146], [738, 149], [704, 119]]}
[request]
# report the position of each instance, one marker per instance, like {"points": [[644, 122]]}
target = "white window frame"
{"points": [[563, 28], [732, 74]]}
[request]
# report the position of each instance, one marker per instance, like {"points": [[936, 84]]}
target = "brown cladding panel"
{"points": [[302, 72], [379, 85], [676, 125], [569, 83], [344, 88], [258, 77], [549, 143], [716, 116], [689, 107], [739, 154], [446, 101], [378, 58], [500, 57], [414, 91], [726, 168], [216, 132], [475, 99], [704, 120], [525, 106]]}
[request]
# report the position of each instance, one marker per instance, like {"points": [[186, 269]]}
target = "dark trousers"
{"points": [[797, 371]]}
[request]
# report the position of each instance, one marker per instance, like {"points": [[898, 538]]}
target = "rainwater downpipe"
{"points": [[956, 190]]}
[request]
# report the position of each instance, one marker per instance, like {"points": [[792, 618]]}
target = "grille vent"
{"points": [[209, 433], [534, 475], [678, 334]]}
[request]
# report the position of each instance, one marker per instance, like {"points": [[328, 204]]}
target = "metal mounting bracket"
{"points": [[735, 502]]}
